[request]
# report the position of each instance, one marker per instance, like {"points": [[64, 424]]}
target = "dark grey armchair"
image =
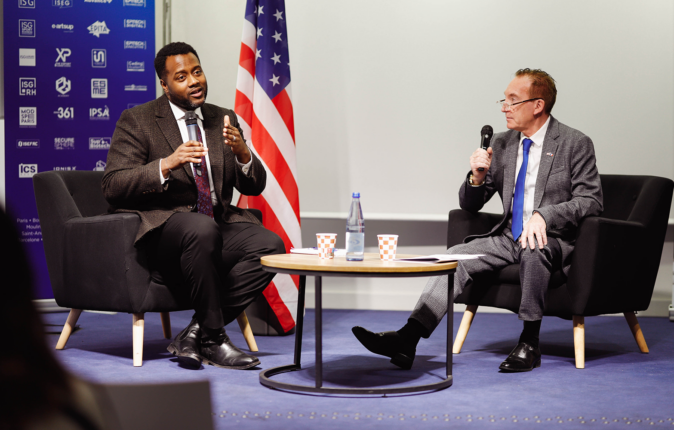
{"points": [[93, 263], [613, 268]]}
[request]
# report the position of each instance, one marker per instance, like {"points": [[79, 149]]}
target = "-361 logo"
{"points": [[65, 113]]}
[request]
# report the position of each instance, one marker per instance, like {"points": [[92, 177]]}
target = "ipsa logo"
{"points": [[27, 170]]}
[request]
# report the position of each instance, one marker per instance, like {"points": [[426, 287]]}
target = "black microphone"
{"points": [[486, 133], [191, 122]]}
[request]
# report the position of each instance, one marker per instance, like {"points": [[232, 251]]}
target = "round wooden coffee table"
{"points": [[371, 266]]}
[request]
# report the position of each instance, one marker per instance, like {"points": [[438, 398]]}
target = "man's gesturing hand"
{"points": [[189, 152], [480, 158], [534, 228], [234, 140]]}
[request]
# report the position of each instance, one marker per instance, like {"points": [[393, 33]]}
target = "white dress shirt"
{"points": [[534, 163], [180, 119]]}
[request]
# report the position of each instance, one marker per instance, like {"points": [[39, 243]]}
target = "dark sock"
{"points": [[530, 332], [412, 332]]}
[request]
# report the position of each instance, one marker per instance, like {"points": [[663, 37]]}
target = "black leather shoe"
{"points": [[524, 358], [388, 344], [220, 352], [186, 345]]}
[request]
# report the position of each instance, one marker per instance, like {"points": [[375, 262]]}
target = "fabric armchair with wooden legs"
{"points": [[93, 263], [613, 267]]}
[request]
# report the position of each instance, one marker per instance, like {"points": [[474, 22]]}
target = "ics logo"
{"points": [[97, 114], [63, 86], [135, 66], [99, 88], [27, 86], [27, 170], [134, 23], [27, 57], [27, 117], [62, 57], [140, 3], [135, 44], [100, 166], [61, 4], [23, 143], [99, 143], [98, 28], [61, 143], [26, 28], [99, 58], [26, 4]]}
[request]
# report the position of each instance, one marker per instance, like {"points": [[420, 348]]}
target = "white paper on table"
{"points": [[439, 258], [314, 251]]}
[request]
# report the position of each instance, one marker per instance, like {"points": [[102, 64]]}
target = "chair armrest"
{"points": [[605, 274], [102, 268], [463, 223]]}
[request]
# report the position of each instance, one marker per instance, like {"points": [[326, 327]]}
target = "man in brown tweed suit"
{"points": [[182, 190], [560, 186]]}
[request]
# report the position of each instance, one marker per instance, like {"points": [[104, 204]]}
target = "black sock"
{"points": [[531, 332], [412, 332]]}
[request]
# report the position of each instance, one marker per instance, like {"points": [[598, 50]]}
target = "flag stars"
{"points": [[278, 15], [258, 54], [259, 10], [277, 36], [274, 80], [259, 32], [276, 58]]}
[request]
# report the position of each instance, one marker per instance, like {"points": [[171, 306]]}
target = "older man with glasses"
{"points": [[545, 173]]}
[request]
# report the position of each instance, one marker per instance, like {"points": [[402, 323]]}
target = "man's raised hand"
{"points": [[234, 140]]}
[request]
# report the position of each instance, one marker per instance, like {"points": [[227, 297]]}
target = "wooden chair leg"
{"points": [[461, 334], [636, 331], [73, 316], [166, 324], [138, 332], [579, 340], [244, 325]]}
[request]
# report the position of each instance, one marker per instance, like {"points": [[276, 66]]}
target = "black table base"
{"points": [[265, 375]]}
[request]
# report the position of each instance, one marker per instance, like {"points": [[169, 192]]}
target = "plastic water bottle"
{"points": [[355, 231]]}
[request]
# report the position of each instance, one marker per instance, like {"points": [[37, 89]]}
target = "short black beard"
{"points": [[186, 104]]}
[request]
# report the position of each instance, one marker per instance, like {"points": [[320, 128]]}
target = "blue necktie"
{"points": [[518, 200]]}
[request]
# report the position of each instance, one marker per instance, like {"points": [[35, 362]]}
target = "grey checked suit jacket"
{"points": [[567, 187], [147, 133]]}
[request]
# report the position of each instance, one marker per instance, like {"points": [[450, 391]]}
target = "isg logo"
{"points": [[26, 28], [26, 4], [27, 86], [99, 58], [98, 114], [27, 170]]}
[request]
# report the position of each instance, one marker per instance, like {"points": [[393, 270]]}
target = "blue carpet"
{"points": [[619, 386]]}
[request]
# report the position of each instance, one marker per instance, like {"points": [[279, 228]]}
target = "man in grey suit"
{"points": [[182, 189], [546, 176]]}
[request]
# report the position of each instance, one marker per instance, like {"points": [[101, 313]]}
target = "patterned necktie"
{"points": [[204, 202], [518, 200]]}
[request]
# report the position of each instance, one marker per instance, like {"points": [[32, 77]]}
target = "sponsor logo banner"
{"points": [[98, 114], [140, 3], [62, 57], [61, 4], [27, 117], [99, 58], [135, 66], [27, 86], [64, 168], [64, 143], [99, 142], [100, 166], [135, 87], [65, 113], [99, 88], [63, 86], [135, 23], [98, 28], [26, 4], [67, 28], [27, 170], [28, 143], [98, 1], [27, 57]]}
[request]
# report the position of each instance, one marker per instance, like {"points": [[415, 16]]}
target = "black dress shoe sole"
{"points": [[398, 358], [402, 361], [528, 369], [189, 360], [222, 366]]}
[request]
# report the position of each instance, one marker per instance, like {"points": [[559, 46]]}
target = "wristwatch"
{"points": [[470, 181]]}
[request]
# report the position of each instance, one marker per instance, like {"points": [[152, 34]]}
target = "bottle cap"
{"points": [[355, 195]]}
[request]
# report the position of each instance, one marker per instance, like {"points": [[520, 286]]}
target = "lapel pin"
{"points": [[550, 154]]}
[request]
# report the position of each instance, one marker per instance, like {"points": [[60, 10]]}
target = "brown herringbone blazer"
{"points": [[147, 133]]}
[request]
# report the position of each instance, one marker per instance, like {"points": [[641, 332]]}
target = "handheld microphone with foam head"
{"points": [[486, 133], [191, 122]]}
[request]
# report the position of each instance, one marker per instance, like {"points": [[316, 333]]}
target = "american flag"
{"points": [[265, 111]]}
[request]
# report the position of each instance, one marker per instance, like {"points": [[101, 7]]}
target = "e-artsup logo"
{"points": [[98, 28]]}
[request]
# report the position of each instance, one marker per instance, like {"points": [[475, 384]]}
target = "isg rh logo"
{"points": [[27, 170], [27, 86]]}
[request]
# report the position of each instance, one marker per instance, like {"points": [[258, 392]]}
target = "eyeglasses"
{"points": [[508, 106]]}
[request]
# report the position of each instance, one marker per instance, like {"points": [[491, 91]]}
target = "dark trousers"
{"points": [[191, 250], [536, 268]]}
